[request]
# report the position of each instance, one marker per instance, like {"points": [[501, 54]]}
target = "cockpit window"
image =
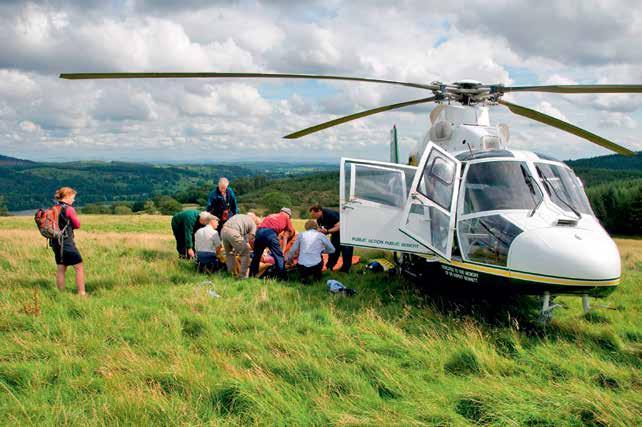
{"points": [[500, 185], [563, 187]]}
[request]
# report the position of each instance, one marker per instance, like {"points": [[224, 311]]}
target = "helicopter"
{"points": [[467, 208]]}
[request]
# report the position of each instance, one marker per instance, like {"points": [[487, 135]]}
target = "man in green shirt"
{"points": [[184, 226]]}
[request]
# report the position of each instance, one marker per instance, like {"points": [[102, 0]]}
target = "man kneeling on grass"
{"points": [[207, 244], [310, 245]]}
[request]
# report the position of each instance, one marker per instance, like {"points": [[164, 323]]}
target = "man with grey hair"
{"points": [[238, 238], [222, 202]]}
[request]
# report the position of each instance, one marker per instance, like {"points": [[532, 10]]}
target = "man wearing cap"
{"points": [[267, 236], [207, 244], [238, 237]]}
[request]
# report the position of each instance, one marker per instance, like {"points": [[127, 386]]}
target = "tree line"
{"points": [[259, 193], [618, 206]]}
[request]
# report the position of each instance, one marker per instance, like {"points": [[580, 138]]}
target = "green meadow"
{"points": [[151, 346]]}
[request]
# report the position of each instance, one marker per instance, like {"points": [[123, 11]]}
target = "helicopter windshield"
{"points": [[499, 185], [563, 187]]}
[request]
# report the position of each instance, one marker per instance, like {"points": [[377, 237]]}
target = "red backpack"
{"points": [[47, 221]]}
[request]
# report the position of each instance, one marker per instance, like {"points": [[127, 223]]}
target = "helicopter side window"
{"points": [[437, 181], [499, 185], [563, 187], [379, 185]]}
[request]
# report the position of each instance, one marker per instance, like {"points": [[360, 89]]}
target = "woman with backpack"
{"points": [[65, 249]]}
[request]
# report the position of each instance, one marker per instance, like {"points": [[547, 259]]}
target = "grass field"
{"points": [[150, 346]]}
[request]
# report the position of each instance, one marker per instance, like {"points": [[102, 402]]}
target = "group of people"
{"points": [[248, 245], [221, 237]]}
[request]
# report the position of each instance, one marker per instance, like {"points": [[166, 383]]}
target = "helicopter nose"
{"points": [[569, 253]]}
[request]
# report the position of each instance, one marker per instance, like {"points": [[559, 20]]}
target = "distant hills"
{"points": [[609, 169], [10, 161], [29, 185]]}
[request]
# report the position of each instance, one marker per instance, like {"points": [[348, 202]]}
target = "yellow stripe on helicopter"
{"points": [[531, 277]]}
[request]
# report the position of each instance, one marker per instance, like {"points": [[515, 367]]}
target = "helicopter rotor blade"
{"points": [[574, 88], [560, 124], [94, 76], [355, 116]]}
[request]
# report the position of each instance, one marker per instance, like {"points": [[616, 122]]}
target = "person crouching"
{"points": [[267, 237], [310, 245], [207, 244], [185, 224], [238, 239]]}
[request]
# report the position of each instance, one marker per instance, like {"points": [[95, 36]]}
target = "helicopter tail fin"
{"points": [[394, 146]]}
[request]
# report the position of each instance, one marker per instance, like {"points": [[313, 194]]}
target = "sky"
{"points": [[512, 42]]}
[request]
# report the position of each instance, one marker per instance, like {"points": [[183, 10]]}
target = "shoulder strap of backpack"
{"points": [[63, 212]]}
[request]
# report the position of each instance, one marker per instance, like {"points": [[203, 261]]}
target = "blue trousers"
{"points": [[207, 262], [267, 238]]}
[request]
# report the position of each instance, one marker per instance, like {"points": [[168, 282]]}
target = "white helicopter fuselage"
{"points": [[481, 213]]}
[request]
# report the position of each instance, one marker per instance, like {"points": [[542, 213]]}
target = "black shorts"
{"points": [[70, 254]]}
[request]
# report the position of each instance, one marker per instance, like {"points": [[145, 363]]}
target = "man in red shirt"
{"points": [[267, 236]]}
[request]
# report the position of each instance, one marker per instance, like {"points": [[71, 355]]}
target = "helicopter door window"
{"points": [[431, 224], [429, 214], [437, 181], [379, 185]]}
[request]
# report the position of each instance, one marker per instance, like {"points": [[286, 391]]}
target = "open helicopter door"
{"points": [[372, 197], [429, 215]]}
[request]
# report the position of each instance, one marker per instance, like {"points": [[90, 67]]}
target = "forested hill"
{"points": [[10, 161], [614, 161], [613, 184], [607, 169], [29, 185]]}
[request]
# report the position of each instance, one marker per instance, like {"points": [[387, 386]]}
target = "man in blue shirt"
{"points": [[310, 245], [222, 202], [328, 221]]}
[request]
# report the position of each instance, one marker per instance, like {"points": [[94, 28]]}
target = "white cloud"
{"points": [[30, 127], [618, 120], [547, 108], [422, 41]]}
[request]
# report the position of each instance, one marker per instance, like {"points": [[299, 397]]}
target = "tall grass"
{"points": [[150, 346]]}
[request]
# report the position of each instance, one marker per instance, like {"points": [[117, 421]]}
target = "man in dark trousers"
{"points": [[184, 225], [267, 236], [222, 202], [328, 221]]}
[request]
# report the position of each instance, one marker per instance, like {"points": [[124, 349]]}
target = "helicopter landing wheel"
{"points": [[546, 314], [586, 306]]}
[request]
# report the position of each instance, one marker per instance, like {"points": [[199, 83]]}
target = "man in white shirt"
{"points": [[310, 245], [207, 244]]}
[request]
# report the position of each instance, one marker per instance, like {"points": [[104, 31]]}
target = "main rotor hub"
{"points": [[467, 84], [466, 92]]}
